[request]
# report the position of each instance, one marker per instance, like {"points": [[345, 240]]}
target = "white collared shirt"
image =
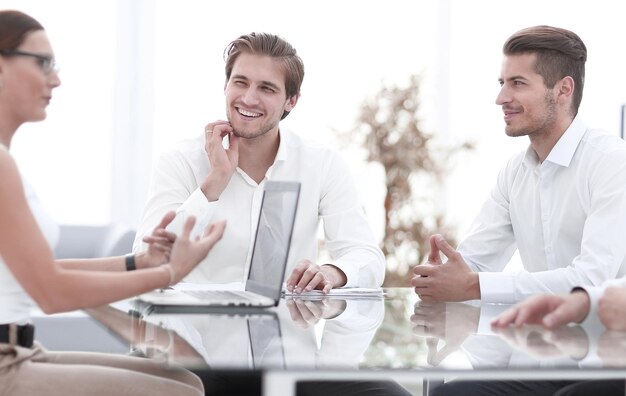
{"points": [[327, 193], [567, 217]]}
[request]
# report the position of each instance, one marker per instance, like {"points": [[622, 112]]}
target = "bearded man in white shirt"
{"points": [[562, 203], [203, 178]]}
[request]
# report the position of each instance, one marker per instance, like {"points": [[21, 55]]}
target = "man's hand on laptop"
{"points": [[307, 276]]}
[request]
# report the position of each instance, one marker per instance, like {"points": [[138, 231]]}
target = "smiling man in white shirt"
{"points": [[562, 203], [212, 179]]}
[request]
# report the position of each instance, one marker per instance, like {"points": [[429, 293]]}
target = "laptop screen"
{"points": [[273, 237]]}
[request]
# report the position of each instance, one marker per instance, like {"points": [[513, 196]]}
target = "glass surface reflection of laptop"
{"points": [[266, 344], [268, 261]]}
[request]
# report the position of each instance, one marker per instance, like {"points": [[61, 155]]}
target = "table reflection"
{"points": [[453, 328], [397, 333], [299, 334], [447, 323]]}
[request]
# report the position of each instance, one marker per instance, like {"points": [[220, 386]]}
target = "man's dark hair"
{"points": [[560, 53]]}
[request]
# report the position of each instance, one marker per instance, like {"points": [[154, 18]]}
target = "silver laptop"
{"points": [[266, 271]]}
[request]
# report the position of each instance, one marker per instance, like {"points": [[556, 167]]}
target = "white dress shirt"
{"points": [[327, 192], [595, 293], [567, 217]]}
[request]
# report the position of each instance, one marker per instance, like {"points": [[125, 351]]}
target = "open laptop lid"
{"points": [[273, 238]]}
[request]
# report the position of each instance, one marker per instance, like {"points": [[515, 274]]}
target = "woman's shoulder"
{"points": [[11, 179], [5, 157], [8, 166]]}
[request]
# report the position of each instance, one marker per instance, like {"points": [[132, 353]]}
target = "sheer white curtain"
{"points": [[133, 116]]}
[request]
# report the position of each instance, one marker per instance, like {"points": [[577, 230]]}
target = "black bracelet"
{"points": [[130, 262]]}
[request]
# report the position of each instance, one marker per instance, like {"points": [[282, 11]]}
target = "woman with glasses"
{"points": [[29, 274]]}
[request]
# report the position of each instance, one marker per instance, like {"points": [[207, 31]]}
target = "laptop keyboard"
{"points": [[226, 297]]}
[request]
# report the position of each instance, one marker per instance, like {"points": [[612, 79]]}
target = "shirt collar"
{"points": [[281, 154], [564, 149]]}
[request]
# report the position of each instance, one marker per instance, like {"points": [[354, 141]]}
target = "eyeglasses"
{"points": [[47, 63]]}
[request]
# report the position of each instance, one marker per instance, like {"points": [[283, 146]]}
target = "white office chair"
{"points": [[91, 241]]}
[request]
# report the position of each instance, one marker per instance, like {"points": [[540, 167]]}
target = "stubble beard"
{"points": [[244, 134], [536, 126]]}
